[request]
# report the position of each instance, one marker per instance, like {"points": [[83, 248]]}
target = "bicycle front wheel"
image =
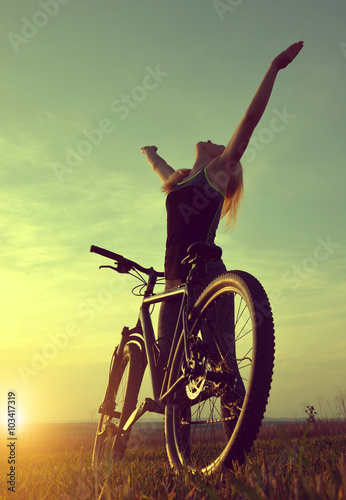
{"points": [[213, 419], [121, 400]]}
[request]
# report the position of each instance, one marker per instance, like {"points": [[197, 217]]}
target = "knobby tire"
{"points": [[125, 382], [213, 420]]}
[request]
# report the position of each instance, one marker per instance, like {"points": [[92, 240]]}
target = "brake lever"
{"points": [[108, 267], [123, 266]]}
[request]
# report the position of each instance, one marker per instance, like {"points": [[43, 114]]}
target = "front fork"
{"points": [[135, 334]]}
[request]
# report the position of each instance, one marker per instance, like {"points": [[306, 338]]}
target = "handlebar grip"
{"points": [[124, 265], [105, 253]]}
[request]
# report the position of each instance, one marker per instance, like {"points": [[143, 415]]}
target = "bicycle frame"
{"points": [[143, 333], [161, 393], [149, 335]]}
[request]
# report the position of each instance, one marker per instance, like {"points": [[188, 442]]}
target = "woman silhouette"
{"points": [[198, 197]]}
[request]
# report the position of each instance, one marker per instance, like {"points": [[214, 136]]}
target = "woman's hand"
{"points": [[287, 56], [158, 164], [149, 149]]}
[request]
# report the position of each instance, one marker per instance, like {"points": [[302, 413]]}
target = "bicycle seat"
{"points": [[202, 251]]}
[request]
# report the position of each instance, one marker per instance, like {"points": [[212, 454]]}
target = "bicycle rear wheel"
{"points": [[213, 419], [121, 400]]}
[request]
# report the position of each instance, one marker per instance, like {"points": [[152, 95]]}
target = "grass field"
{"points": [[53, 462]]}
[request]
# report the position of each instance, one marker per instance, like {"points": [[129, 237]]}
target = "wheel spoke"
{"points": [[206, 428], [240, 336]]}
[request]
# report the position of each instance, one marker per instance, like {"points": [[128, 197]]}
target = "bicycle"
{"points": [[217, 379]]}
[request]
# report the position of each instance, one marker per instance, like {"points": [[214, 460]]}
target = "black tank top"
{"points": [[193, 214]]}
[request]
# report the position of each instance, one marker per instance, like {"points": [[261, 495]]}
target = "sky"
{"points": [[85, 84]]}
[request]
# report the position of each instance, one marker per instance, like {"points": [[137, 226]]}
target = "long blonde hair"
{"points": [[234, 195], [234, 192]]}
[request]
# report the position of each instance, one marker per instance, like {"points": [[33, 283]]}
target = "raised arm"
{"points": [[241, 137], [158, 164]]}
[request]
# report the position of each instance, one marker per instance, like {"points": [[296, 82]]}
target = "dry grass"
{"points": [[287, 462]]}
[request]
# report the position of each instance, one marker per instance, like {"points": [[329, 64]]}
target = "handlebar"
{"points": [[124, 265]]}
